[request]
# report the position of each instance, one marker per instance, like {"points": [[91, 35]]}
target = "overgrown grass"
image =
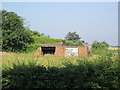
{"points": [[28, 71], [86, 74], [45, 40], [8, 58]]}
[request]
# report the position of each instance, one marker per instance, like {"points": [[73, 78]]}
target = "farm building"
{"points": [[60, 49]]}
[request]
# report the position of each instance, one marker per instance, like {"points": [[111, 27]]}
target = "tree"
{"points": [[15, 36], [35, 33], [99, 45], [100, 48], [42, 35], [48, 36], [71, 43], [72, 36]]}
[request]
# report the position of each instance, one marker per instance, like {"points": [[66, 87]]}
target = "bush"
{"points": [[101, 49], [100, 45], [31, 48], [101, 73], [71, 43]]}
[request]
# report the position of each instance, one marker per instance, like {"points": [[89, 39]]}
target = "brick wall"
{"points": [[82, 51], [37, 52], [60, 51]]}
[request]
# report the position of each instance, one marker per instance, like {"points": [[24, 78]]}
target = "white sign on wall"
{"points": [[71, 52]]}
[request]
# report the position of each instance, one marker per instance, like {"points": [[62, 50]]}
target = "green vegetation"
{"points": [[45, 40], [73, 39], [36, 33], [61, 72], [71, 43], [31, 48], [72, 36], [100, 45], [100, 48], [15, 36], [24, 70]]}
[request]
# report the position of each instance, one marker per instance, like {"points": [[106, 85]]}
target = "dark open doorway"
{"points": [[48, 50]]}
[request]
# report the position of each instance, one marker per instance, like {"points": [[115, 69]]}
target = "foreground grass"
{"points": [[86, 74], [9, 58], [28, 71]]}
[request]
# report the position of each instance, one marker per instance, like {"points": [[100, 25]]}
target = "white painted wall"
{"points": [[71, 52]]}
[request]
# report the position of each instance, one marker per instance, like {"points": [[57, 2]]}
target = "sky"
{"points": [[93, 21]]}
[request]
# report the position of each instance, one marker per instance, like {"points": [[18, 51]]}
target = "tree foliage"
{"points": [[71, 43], [15, 36], [72, 36], [99, 48], [73, 39], [99, 45], [35, 33]]}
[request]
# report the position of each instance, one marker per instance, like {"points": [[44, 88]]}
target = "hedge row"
{"points": [[87, 74]]}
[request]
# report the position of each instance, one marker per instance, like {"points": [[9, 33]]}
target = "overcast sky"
{"points": [[92, 21]]}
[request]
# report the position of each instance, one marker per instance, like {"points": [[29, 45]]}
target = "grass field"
{"points": [[96, 71], [8, 58]]}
